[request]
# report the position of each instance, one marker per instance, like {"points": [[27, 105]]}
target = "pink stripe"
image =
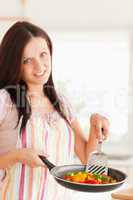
{"points": [[44, 183], [30, 185], [45, 175], [42, 173], [45, 172], [57, 147], [38, 195], [21, 187], [58, 140]]}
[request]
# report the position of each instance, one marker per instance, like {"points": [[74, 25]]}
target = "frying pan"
{"points": [[58, 173]]}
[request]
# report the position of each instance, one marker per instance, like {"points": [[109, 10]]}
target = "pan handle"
{"points": [[47, 162]]}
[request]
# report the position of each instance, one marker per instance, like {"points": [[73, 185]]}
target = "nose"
{"points": [[39, 65]]}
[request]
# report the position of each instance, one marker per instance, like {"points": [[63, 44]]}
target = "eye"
{"points": [[43, 54], [27, 61]]}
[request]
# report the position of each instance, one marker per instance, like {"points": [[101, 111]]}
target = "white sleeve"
{"points": [[4, 104], [67, 108]]}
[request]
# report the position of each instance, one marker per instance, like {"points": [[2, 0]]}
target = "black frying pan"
{"points": [[59, 172]]}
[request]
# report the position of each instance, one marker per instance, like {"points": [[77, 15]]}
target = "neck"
{"points": [[35, 91]]}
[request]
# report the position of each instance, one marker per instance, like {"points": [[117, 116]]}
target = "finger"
{"points": [[98, 130], [96, 122], [40, 152], [101, 125], [105, 126], [104, 133]]}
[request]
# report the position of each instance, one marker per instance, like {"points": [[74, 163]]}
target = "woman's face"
{"points": [[36, 62]]}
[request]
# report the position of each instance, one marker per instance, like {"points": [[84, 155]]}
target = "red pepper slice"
{"points": [[92, 181]]}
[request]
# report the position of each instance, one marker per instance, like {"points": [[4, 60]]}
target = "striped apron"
{"points": [[54, 138]]}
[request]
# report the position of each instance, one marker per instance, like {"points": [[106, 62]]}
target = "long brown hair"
{"points": [[11, 50]]}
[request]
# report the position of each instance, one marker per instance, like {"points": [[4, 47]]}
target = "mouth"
{"points": [[40, 74]]}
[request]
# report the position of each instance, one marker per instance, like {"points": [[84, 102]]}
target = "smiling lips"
{"points": [[40, 74]]}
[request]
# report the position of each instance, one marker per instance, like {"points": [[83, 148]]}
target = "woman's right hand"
{"points": [[30, 157]]}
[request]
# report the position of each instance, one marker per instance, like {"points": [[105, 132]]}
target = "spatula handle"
{"points": [[99, 147]]}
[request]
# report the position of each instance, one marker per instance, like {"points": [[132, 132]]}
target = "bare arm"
{"points": [[84, 147], [25, 155], [7, 159], [80, 141]]}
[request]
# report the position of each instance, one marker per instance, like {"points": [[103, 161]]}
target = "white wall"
{"points": [[74, 15], [10, 8], [82, 14]]}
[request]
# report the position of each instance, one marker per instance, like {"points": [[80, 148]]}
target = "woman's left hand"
{"points": [[99, 126], [99, 130]]}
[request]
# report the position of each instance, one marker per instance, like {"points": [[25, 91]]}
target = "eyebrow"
{"points": [[46, 50], [26, 58]]}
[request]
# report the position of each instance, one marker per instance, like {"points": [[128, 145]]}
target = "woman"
{"points": [[35, 119]]}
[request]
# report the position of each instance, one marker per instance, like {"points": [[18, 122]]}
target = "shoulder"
{"points": [[3, 92], [4, 96], [67, 107], [61, 97], [5, 103], [64, 100]]}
